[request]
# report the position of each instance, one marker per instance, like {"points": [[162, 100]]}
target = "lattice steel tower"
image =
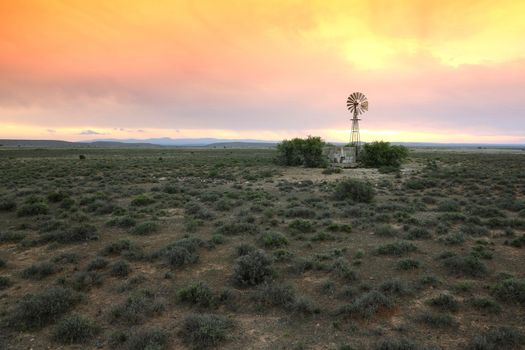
{"points": [[357, 104]]}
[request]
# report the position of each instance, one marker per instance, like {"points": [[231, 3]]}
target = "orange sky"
{"points": [[434, 71]]}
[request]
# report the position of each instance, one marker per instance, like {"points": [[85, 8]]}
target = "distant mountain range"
{"points": [[211, 143]]}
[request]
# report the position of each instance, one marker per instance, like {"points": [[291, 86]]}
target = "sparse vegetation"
{"points": [[148, 249], [206, 330], [74, 329]]}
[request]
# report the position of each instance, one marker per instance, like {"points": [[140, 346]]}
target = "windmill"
{"points": [[357, 104]]}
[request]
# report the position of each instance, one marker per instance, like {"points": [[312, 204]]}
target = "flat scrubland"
{"points": [[190, 249]]}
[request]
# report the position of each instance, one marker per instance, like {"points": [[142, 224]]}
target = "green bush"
{"points": [[397, 248], [307, 152], [34, 311], [356, 190], [244, 249], [437, 320], [137, 307], [465, 266], [120, 268], [97, 263], [11, 237], [145, 228], [142, 200], [5, 282], [408, 264], [33, 209], [198, 293], [501, 338], [148, 339], [206, 330], [444, 302], [398, 344], [380, 154], [39, 271], [366, 305], [179, 256], [252, 269], [386, 231], [510, 290], [7, 204], [74, 329], [273, 240], [485, 304]]}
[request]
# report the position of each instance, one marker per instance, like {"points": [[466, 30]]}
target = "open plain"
{"points": [[169, 248]]}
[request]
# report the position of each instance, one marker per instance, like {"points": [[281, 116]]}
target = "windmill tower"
{"points": [[357, 104]]}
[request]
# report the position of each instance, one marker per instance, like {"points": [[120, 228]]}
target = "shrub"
{"points": [[237, 228], [510, 290], [179, 256], [5, 282], [33, 209], [397, 248], [252, 269], [518, 242], [444, 302], [366, 305], [379, 154], [145, 228], [122, 222], [39, 271], [356, 190], [7, 204], [465, 266], [244, 249], [398, 344], [408, 264], [276, 294], [56, 196], [300, 212], [67, 258], [123, 247], [302, 226], [395, 287], [307, 152], [448, 205], [206, 330], [453, 238], [79, 233], [437, 320], [11, 237], [148, 339], [142, 200], [120, 268], [341, 267], [196, 294], [418, 233], [498, 338], [74, 329], [34, 311], [385, 231], [137, 307], [84, 280], [485, 304], [97, 264], [273, 240]]}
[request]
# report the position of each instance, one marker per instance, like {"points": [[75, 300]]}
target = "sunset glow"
{"points": [[433, 71]]}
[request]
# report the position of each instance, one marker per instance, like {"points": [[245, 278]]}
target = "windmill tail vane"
{"points": [[357, 104]]}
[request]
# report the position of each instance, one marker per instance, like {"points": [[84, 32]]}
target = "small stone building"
{"points": [[344, 157]]}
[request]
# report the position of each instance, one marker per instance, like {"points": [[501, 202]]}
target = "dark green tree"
{"points": [[381, 154], [307, 152]]}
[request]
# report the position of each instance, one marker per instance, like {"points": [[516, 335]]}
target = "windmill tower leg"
{"points": [[355, 139]]}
